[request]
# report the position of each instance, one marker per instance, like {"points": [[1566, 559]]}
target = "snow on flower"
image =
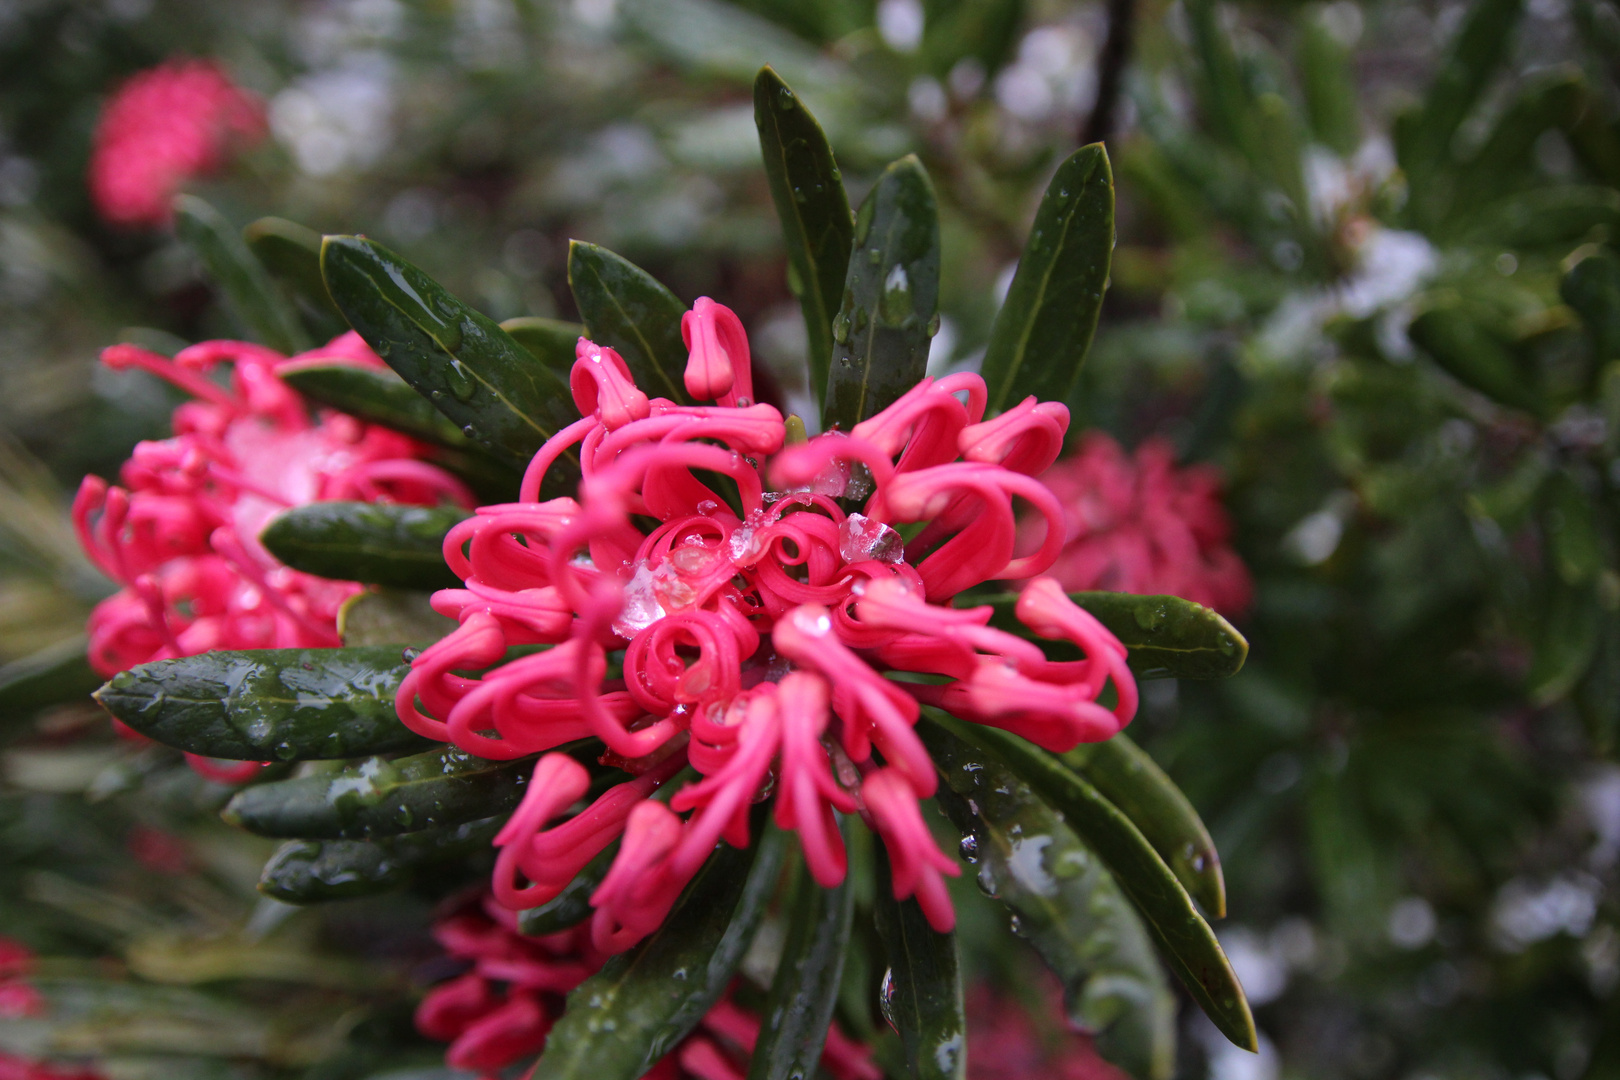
{"points": [[181, 536], [1141, 525], [774, 639], [502, 1007], [166, 125]]}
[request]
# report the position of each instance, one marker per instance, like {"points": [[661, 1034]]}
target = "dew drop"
{"points": [[409, 655], [840, 328], [894, 305], [460, 380], [886, 998], [970, 848]]}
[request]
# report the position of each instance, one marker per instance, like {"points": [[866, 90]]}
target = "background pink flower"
{"points": [[182, 119], [1139, 524]]}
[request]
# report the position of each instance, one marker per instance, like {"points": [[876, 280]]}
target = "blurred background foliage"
{"points": [[1366, 263]]}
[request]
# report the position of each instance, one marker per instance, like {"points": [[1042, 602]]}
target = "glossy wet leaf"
{"points": [[1474, 356], [921, 995], [1166, 637], [380, 397], [51, 676], [1064, 903], [550, 341], [1327, 78], [623, 1019], [317, 871], [375, 543], [818, 229], [267, 704], [572, 906], [628, 309], [793, 1025], [391, 617], [1184, 938], [381, 797], [292, 254], [889, 310], [469, 368], [1044, 329], [249, 293], [1131, 780]]}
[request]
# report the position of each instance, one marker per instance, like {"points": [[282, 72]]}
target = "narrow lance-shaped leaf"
{"points": [[1474, 356], [50, 676], [1066, 904], [922, 990], [249, 292], [318, 871], [550, 341], [1566, 639], [380, 397], [469, 368], [890, 304], [1166, 637], [623, 1019], [1574, 539], [267, 704], [1132, 781], [1183, 937], [818, 229], [374, 543], [379, 797], [292, 254], [1044, 329], [793, 1028], [627, 309]]}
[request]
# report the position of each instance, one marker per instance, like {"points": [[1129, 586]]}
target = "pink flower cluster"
{"points": [[181, 536], [17, 997], [1007, 1040], [1142, 525], [775, 640], [163, 127], [503, 1007]]}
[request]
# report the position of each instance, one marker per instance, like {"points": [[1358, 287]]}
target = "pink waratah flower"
{"points": [[501, 1009], [1142, 525], [13, 1067], [1008, 1040], [759, 617], [18, 998], [181, 536], [166, 125]]}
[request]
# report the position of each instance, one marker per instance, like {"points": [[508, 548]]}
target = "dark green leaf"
{"points": [[316, 871], [1592, 288], [818, 229], [1226, 98], [380, 397], [292, 254], [378, 797], [267, 704], [249, 292], [1067, 907], [391, 617], [627, 309], [1183, 937], [1424, 138], [51, 676], [572, 906], [1329, 84], [375, 543], [1571, 525], [1167, 637], [1132, 781], [1566, 640], [1044, 329], [890, 305], [620, 1021], [922, 990], [1553, 217], [469, 368], [793, 1027], [550, 341], [1474, 356]]}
